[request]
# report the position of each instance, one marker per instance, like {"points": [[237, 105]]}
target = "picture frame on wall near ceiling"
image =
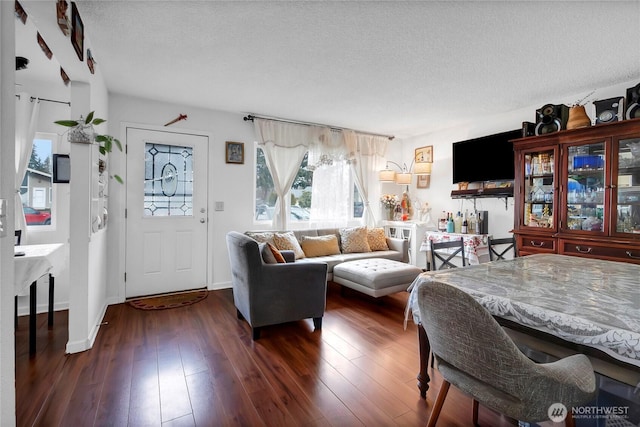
{"points": [[235, 152], [424, 154], [77, 32]]}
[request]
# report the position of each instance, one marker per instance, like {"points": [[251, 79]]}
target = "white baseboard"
{"points": [[85, 344], [219, 285]]}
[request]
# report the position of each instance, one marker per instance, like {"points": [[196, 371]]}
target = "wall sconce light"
{"points": [[405, 175], [389, 175]]}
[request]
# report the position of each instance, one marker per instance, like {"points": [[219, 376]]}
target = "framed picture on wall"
{"points": [[423, 181], [235, 152], [424, 154], [77, 32]]}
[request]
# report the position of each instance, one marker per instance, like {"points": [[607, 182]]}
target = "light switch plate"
{"points": [[219, 206]]}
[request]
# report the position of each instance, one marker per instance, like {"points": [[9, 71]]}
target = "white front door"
{"points": [[166, 212]]}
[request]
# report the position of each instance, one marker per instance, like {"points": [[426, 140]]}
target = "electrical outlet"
{"points": [[219, 206]]}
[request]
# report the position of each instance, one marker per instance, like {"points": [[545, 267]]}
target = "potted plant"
{"points": [[82, 131]]}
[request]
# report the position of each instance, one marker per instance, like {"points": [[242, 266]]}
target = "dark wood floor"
{"points": [[198, 366]]}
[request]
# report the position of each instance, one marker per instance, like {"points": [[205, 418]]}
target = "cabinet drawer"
{"points": [[625, 253], [536, 244]]}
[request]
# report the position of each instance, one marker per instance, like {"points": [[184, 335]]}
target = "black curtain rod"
{"points": [[33, 98], [250, 117]]}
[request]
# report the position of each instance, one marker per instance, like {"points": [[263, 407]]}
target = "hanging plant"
{"points": [[82, 131]]}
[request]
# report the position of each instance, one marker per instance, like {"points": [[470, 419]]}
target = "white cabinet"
{"points": [[414, 232]]}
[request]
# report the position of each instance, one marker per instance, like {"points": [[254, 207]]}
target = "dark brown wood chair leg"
{"points": [[437, 407], [425, 349], [474, 409]]}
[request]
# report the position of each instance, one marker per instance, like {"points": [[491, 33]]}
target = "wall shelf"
{"points": [[480, 193]]}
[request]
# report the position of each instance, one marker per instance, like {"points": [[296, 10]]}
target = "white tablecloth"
{"points": [[586, 301], [37, 261]]}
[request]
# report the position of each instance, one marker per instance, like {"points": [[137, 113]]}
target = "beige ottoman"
{"points": [[375, 276]]}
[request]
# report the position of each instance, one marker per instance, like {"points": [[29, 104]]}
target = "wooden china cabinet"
{"points": [[577, 192]]}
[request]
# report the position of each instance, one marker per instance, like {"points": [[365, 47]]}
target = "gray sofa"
{"points": [[268, 294], [398, 249]]}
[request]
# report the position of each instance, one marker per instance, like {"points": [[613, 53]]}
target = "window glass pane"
{"points": [[168, 180], [358, 204], [37, 184], [266, 196]]}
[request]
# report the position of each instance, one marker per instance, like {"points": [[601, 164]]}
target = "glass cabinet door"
{"points": [[539, 184], [585, 188], [627, 215]]}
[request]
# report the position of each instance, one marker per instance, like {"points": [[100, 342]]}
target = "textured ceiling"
{"points": [[400, 68]]}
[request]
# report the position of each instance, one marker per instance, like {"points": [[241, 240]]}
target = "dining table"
{"points": [[560, 304], [31, 262]]}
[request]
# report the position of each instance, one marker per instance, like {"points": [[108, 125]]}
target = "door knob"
{"points": [[202, 220]]}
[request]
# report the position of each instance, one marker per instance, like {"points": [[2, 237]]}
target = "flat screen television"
{"points": [[488, 158]]}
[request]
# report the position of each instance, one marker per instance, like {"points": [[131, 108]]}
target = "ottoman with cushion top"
{"points": [[375, 276]]}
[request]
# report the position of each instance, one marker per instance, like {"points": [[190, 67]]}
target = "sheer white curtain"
{"points": [[284, 145], [26, 121], [366, 157], [331, 191]]}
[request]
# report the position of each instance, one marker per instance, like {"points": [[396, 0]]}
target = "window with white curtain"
{"points": [[299, 195], [330, 189]]}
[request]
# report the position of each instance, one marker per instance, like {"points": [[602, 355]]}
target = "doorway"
{"points": [[166, 212]]}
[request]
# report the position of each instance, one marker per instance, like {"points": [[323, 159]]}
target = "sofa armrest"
{"points": [[289, 256], [399, 245]]}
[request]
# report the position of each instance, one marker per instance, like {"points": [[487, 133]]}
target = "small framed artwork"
{"points": [[423, 181], [77, 32], [64, 76], [20, 12], [424, 154], [61, 13], [44, 47], [235, 152]]}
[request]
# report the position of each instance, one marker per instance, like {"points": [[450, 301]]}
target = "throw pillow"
{"points": [[354, 240], [288, 241], [377, 240], [271, 254], [260, 236], [320, 246]]}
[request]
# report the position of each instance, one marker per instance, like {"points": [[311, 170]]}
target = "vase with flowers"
{"points": [[389, 203]]}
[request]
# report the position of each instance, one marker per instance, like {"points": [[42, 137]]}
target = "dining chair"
{"points": [[449, 250], [476, 355], [498, 248]]}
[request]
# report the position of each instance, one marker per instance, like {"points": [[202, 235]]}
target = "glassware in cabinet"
{"points": [[627, 212], [585, 187], [538, 189]]}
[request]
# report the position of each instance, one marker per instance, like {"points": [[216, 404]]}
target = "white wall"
{"points": [[229, 183], [7, 174], [438, 195]]}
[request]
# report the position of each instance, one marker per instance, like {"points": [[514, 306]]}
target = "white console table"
{"points": [[414, 232]]}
